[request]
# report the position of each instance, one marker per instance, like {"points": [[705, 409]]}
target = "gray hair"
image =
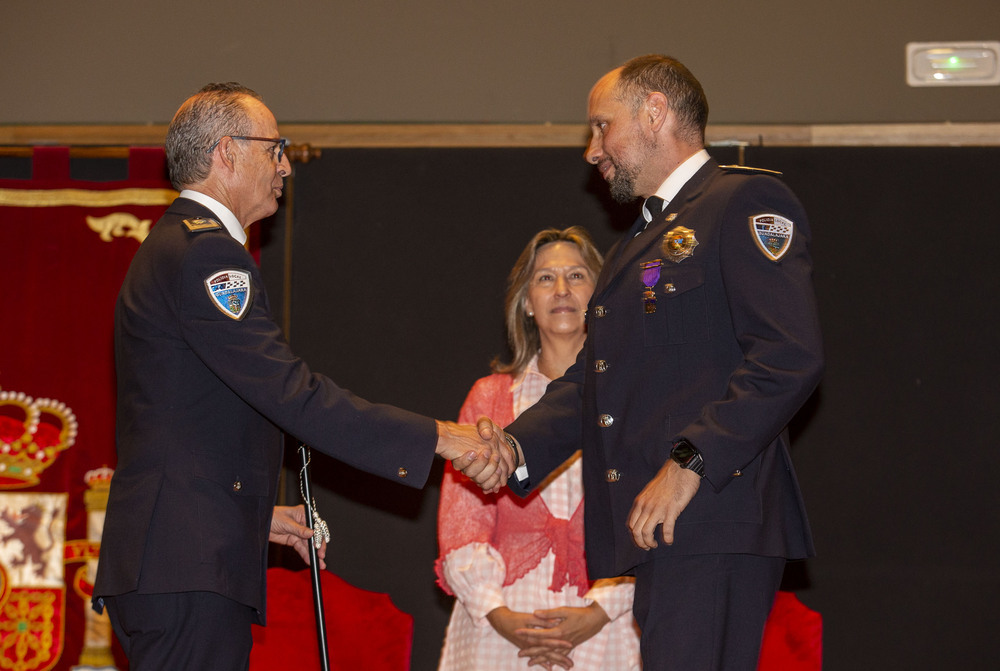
{"points": [[217, 110]]}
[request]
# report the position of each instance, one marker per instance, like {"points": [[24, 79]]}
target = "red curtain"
{"points": [[364, 629], [65, 246], [793, 637]]}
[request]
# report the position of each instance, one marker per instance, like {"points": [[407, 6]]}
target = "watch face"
{"points": [[683, 452]]}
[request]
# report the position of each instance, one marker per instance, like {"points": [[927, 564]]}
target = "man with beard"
{"points": [[703, 342]]}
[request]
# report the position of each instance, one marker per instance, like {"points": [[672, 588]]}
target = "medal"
{"points": [[650, 276]]}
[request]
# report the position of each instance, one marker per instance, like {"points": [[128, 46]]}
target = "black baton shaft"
{"points": [[324, 657]]}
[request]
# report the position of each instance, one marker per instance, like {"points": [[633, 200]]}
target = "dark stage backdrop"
{"points": [[399, 259]]}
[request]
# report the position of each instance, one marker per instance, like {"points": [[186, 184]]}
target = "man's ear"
{"points": [[654, 110], [226, 152]]}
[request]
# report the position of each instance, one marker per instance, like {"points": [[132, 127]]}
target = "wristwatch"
{"points": [[513, 448], [687, 456]]}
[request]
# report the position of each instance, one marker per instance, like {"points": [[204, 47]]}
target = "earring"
{"points": [[531, 314]]}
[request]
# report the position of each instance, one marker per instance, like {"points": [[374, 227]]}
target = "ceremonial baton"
{"points": [[321, 532]]}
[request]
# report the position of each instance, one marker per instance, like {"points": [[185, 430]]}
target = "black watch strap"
{"points": [[513, 448], [688, 457]]}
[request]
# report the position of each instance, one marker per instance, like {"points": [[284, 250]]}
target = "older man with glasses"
{"points": [[206, 385]]}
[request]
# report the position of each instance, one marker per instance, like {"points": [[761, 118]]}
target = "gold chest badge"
{"points": [[679, 244]]}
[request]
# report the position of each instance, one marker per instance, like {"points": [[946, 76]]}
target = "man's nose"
{"points": [[593, 152], [284, 167]]}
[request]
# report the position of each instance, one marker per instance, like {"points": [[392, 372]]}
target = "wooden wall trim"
{"points": [[321, 136]]}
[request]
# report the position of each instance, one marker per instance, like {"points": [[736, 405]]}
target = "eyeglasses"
{"points": [[280, 141]]}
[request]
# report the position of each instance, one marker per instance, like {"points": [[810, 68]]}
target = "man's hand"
{"points": [[488, 429], [661, 502], [542, 650], [288, 527], [483, 456]]}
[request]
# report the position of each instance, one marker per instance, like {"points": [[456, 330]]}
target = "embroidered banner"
{"points": [[64, 248]]}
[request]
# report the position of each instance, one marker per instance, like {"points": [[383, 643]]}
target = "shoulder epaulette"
{"points": [[746, 170], [198, 225]]}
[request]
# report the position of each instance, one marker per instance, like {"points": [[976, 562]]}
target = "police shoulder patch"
{"points": [[201, 224], [230, 292], [746, 170], [773, 234]]}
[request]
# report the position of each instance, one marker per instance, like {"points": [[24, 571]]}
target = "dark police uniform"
{"points": [[704, 328], [206, 384]]}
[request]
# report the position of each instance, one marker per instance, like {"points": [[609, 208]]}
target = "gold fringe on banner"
{"points": [[85, 198]]}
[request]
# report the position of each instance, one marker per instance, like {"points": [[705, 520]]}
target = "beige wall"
{"points": [[520, 61]]}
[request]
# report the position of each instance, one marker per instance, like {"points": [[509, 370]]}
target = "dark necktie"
{"points": [[655, 206]]}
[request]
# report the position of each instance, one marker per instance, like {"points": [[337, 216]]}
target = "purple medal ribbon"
{"points": [[649, 277]]}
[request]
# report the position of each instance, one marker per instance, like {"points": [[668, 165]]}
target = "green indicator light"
{"points": [[951, 63]]}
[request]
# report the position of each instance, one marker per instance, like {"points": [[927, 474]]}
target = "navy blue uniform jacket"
{"points": [[202, 401], [731, 353]]}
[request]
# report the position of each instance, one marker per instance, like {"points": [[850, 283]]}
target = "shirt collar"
{"points": [[228, 219], [678, 178]]}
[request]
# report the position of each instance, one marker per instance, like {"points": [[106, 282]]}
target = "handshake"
{"points": [[481, 452]]}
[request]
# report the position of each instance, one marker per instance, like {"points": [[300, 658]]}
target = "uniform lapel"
{"points": [[626, 256]]}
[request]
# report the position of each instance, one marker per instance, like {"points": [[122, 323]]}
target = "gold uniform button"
{"points": [[613, 475], [737, 473], [601, 311], [669, 288], [402, 472], [605, 420], [237, 486], [600, 366]]}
